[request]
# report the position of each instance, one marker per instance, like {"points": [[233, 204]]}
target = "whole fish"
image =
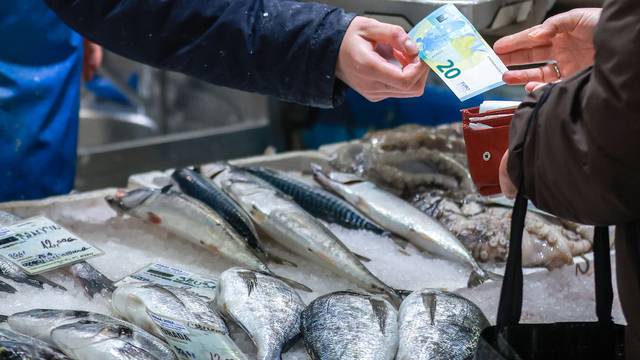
{"points": [[287, 223], [191, 220], [92, 340], [267, 309], [200, 188], [26, 347], [401, 218], [317, 201], [349, 325], [135, 302], [11, 271], [40, 324], [439, 325], [18, 350]]}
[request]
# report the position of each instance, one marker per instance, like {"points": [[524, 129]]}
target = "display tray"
{"points": [[130, 244]]}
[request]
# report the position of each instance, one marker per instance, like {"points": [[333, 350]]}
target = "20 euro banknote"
{"points": [[454, 50]]}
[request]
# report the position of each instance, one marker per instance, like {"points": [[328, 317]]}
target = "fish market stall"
{"points": [[159, 224]]}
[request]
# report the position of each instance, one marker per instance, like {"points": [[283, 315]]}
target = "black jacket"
{"points": [[281, 48]]}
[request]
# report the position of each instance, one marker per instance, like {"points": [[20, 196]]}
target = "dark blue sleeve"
{"points": [[281, 48]]}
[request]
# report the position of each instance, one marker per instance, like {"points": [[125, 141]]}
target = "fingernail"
{"points": [[410, 46]]}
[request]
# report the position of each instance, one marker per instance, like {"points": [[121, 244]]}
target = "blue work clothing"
{"points": [[283, 48], [40, 66]]}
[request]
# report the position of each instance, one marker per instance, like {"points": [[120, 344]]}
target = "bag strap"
{"points": [[510, 305]]}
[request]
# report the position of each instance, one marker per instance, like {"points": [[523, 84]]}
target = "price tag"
{"points": [[39, 245], [168, 275], [194, 341]]}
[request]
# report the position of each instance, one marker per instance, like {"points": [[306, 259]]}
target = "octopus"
{"points": [[484, 230], [409, 159]]}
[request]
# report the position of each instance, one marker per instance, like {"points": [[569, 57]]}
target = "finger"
{"points": [[562, 23], [527, 56], [506, 185], [382, 71], [542, 74], [393, 35], [533, 86], [521, 40]]}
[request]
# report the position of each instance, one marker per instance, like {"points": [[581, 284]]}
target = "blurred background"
{"points": [[134, 118]]}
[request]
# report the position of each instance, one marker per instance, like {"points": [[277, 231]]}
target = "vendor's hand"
{"points": [[566, 38], [92, 60], [506, 185], [364, 61]]}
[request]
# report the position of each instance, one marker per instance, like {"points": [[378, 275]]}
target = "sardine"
{"points": [[192, 220], [349, 325], [286, 222], [401, 218], [26, 347], [200, 188], [317, 201], [135, 301], [9, 270], [438, 325], [267, 309], [91, 340]]}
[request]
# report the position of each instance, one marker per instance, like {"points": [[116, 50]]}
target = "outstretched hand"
{"points": [[365, 61], [566, 38]]}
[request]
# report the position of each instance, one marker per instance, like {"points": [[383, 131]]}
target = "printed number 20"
{"points": [[449, 71]]}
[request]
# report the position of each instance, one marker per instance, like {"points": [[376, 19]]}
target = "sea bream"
{"points": [[439, 325], [17, 346], [87, 335], [9, 270], [266, 308], [192, 220], [349, 325], [202, 189], [149, 305], [401, 218], [317, 201], [287, 223]]}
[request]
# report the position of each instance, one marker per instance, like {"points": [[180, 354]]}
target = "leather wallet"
{"points": [[486, 136]]}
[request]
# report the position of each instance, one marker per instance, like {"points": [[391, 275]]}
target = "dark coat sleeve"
{"points": [[281, 48], [581, 158]]}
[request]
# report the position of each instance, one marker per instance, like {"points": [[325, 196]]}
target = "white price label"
{"points": [[168, 275], [39, 245]]}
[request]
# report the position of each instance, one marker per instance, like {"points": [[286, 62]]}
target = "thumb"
{"points": [[392, 35]]}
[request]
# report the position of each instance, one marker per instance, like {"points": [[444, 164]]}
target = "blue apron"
{"points": [[40, 69]]}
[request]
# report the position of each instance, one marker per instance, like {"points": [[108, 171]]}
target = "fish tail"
{"points": [[92, 281], [4, 287], [44, 280], [480, 276], [279, 260], [294, 284]]}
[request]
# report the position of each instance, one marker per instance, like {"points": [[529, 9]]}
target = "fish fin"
{"points": [[294, 284], [476, 278], [4, 287], [44, 280], [216, 169], [279, 260], [165, 189], [403, 293], [401, 242], [361, 257]]}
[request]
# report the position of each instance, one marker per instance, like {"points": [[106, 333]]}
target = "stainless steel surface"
{"points": [[491, 17]]}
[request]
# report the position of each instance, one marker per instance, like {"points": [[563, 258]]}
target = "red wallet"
{"points": [[486, 136]]}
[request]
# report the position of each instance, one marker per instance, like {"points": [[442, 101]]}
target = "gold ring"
{"points": [[556, 68]]}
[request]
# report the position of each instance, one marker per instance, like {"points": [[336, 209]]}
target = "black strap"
{"points": [[510, 305]]}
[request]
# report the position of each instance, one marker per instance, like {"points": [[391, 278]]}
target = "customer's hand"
{"points": [[566, 38], [364, 61], [506, 185], [92, 60]]}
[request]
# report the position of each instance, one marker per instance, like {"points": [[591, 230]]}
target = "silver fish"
{"points": [[438, 325], [192, 220], [267, 309], [349, 325], [92, 281], [135, 301], [92, 340], [9, 270], [401, 218], [286, 222], [16, 346]]}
